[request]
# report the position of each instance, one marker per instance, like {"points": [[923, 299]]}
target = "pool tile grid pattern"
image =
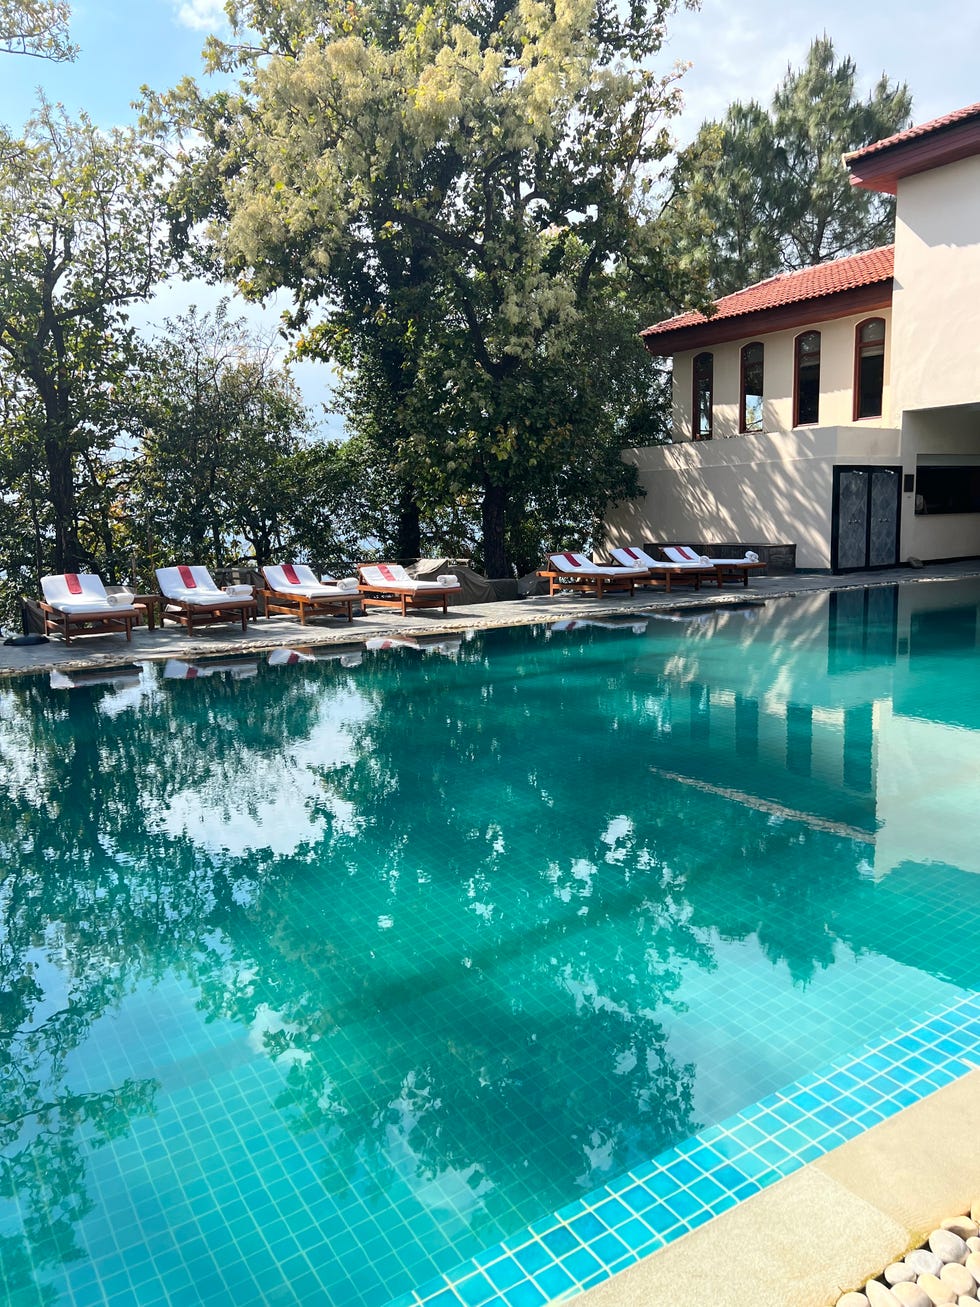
{"points": [[595, 1237]]}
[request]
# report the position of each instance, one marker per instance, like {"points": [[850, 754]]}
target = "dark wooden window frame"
{"points": [[742, 425], [696, 433], [796, 377], [859, 351]]}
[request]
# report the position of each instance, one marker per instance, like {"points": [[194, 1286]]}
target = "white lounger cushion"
{"points": [[578, 565], [387, 575], [634, 556], [204, 590], [92, 597], [306, 586], [685, 554]]}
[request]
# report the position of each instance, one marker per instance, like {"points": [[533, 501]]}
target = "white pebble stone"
{"points": [[965, 1300], [958, 1278], [964, 1226], [923, 1262], [948, 1247], [852, 1300], [973, 1266], [899, 1273], [937, 1292], [973, 1245], [910, 1295], [879, 1295], [975, 1210]]}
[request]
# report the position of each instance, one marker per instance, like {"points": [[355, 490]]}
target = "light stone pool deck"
{"points": [[804, 1239], [93, 651]]}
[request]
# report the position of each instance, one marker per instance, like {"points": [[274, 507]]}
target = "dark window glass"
{"points": [[947, 490], [870, 379], [704, 369], [807, 378], [752, 378]]}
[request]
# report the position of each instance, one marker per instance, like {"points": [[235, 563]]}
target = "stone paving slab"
{"points": [[828, 1228], [91, 651]]}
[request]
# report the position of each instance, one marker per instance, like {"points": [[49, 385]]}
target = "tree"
{"points": [[444, 191], [224, 463], [772, 182], [36, 27], [79, 230]]}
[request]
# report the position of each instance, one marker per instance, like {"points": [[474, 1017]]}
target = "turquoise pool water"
{"points": [[317, 980]]}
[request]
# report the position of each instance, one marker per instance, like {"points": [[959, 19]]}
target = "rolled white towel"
{"points": [[117, 601], [447, 578], [751, 556], [238, 591], [346, 583], [705, 560]]}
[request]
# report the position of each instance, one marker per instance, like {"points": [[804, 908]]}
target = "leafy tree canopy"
{"points": [[445, 191], [772, 183], [79, 228], [36, 27]]}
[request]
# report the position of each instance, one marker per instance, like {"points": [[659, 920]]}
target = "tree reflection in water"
{"points": [[461, 929]]}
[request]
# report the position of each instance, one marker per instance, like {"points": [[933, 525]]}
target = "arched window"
{"points": [[704, 393], [869, 368], [750, 409], [806, 394]]}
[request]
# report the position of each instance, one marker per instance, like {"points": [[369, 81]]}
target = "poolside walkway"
{"points": [[93, 651]]}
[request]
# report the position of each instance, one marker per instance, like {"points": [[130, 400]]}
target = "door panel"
{"points": [[865, 518], [883, 528]]}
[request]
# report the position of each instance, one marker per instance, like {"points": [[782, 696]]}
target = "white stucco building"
{"points": [[837, 408]]}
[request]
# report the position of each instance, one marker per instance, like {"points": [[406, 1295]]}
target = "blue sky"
{"points": [[738, 49]]}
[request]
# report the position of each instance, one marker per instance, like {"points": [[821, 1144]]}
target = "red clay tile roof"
{"points": [[850, 273], [914, 133]]}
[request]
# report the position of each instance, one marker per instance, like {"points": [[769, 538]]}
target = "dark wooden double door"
{"points": [[866, 517]]}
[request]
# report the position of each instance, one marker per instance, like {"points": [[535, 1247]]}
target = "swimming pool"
{"points": [[469, 973]]}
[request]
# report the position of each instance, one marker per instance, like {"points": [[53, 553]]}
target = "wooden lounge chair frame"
{"points": [[402, 597], [275, 601], [590, 581], [729, 566], [193, 615], [101, 623], [734, 569]]}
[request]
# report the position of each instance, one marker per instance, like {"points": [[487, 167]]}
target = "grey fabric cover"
{"points": [[476, 589]]}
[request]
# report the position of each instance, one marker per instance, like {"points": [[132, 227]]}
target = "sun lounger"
{"points": [[576, 624], [294, 588], [241, 669], [573, 571], [666, 573], [193, 599], [723, 566], [386, 585], [74, 601]]}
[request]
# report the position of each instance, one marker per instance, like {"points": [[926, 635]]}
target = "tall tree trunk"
{"points": [[61, 488], [408, 528], [494, 540]]}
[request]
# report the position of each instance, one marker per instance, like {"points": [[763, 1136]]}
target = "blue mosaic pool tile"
{"points": [[656, 1202]]}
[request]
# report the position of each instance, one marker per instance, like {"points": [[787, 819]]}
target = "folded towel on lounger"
{"points": [[238, 591], [447, 578], [751, 556], [346, 583]]}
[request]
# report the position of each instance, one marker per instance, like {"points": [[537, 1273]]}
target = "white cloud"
{"points": [[202, 15]]}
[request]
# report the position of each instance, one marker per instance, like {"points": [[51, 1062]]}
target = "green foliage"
{"points": [[223, 469], [36, 27], [451, 194], [79, 229], [771, 181]]}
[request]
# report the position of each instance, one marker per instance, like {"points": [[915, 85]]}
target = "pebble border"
{"points": [[944, 1269], [593, 1238]]}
